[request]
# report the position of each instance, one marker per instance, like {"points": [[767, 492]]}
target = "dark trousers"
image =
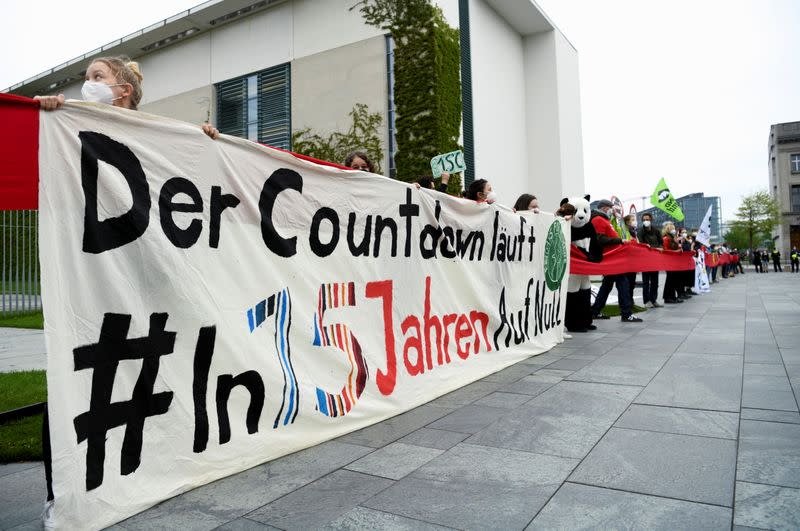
{"points": [[650, 286], [670, 289], [795, 266], [714, 273], [777, 265], [631, 283], [623, 293]]}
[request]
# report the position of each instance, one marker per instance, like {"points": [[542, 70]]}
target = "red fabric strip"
{"points": [[629, 258], [19, 153]]}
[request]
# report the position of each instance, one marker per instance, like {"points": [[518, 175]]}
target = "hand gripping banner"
{"points": [[212, 305]]}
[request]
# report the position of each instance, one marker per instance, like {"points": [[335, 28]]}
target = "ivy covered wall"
{"points": [[427, 88]]}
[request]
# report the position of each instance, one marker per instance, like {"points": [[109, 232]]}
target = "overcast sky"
{"points": [[680, 89]]}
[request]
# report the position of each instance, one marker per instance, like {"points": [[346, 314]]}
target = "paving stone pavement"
{"points": [[689, 420]]}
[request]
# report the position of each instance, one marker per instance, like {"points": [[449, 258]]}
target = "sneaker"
{"points": [[649, 304], [657, 304], [591, 327], [631, 319], [600, 316]]}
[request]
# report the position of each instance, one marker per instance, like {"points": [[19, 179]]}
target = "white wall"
{"points": [[499, 107], [569, 118]]}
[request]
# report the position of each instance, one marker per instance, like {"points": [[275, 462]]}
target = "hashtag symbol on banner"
{"points": [[103, 358]]}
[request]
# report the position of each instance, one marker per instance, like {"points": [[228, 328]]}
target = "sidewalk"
{"points": [[22, 350], [686, 421]]}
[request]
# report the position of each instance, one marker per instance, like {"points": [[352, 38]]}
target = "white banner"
{"points": [[704, 231], [212, 305], [701, 284]]}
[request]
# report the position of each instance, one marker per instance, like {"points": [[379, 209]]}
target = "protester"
{"points": [[686, 277], [114, 81], [650, 236], [426, 181], [757, 261], [481, 191], [776, 260], [669, 243], [795, 257], [358, 160], [765, 260], [607, 236], [527, 202]]}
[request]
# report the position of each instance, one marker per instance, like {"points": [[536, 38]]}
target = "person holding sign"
{"points": [[114, 81], [426, 181]]}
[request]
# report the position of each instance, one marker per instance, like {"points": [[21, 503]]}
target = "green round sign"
{"points": [[555, 257]]}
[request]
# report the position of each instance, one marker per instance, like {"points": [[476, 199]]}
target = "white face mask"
{"points": [[646, 223], [673, 232], [683, 234], [491, 197], [98, 92]]}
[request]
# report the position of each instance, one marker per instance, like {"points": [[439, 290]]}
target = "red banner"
{"points": [[19, 153], [631, 257]]}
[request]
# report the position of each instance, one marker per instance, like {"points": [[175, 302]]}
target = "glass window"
{"points": [[794, 163], [257, 106], [795, 198]]}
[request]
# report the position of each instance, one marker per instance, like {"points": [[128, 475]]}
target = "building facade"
{"points": [[694, 208], [784, 183], [264, 69]]}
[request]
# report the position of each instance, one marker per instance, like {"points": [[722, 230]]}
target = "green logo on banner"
{"points": [[555, 257]]}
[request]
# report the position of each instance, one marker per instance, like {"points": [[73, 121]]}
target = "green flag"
{"points": [[662, 198]]}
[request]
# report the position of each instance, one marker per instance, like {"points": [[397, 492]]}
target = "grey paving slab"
{"points": [[622, 368], [685, 467], [555, 373], [683, 421], [769, 452], [510, 374], [503, 400], [33, 525], [710, 343], [768, 392], [566, 420], [531, 385], [699, 381], [363, 518], [763, 369], [792, 417], [766, 506], [570, 363], [394, 428], [22, 498], [585, 507], [476, 487], [244, 524], [440, 439], [13, 468], [320, 502], [466, 395], [227, 499], [394, 461], [469, 419]]}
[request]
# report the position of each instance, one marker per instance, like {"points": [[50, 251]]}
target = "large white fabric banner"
{"points": [[211, 305]]}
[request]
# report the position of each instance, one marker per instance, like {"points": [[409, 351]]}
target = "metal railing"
{"points": [[20, 286]]}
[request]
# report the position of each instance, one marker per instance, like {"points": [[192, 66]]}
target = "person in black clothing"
{"points": [[649, 235], [776, 260], [795, 256], [757, 261], [683, 278], [426, 181]]}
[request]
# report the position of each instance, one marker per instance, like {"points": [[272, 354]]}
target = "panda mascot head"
{"points": [[581, 210]]}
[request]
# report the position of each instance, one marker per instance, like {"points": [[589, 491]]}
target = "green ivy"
{"points": [[363, 135], [427, 88]]}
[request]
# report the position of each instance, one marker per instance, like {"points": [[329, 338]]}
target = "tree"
{"points": [[756, 217], [363, 136]]}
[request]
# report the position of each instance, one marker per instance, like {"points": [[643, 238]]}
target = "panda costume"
{"points": [[578, 316]]}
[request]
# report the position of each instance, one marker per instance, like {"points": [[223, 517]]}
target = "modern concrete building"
{"points": [[784, 183], [263, 69], [694, 208]]}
